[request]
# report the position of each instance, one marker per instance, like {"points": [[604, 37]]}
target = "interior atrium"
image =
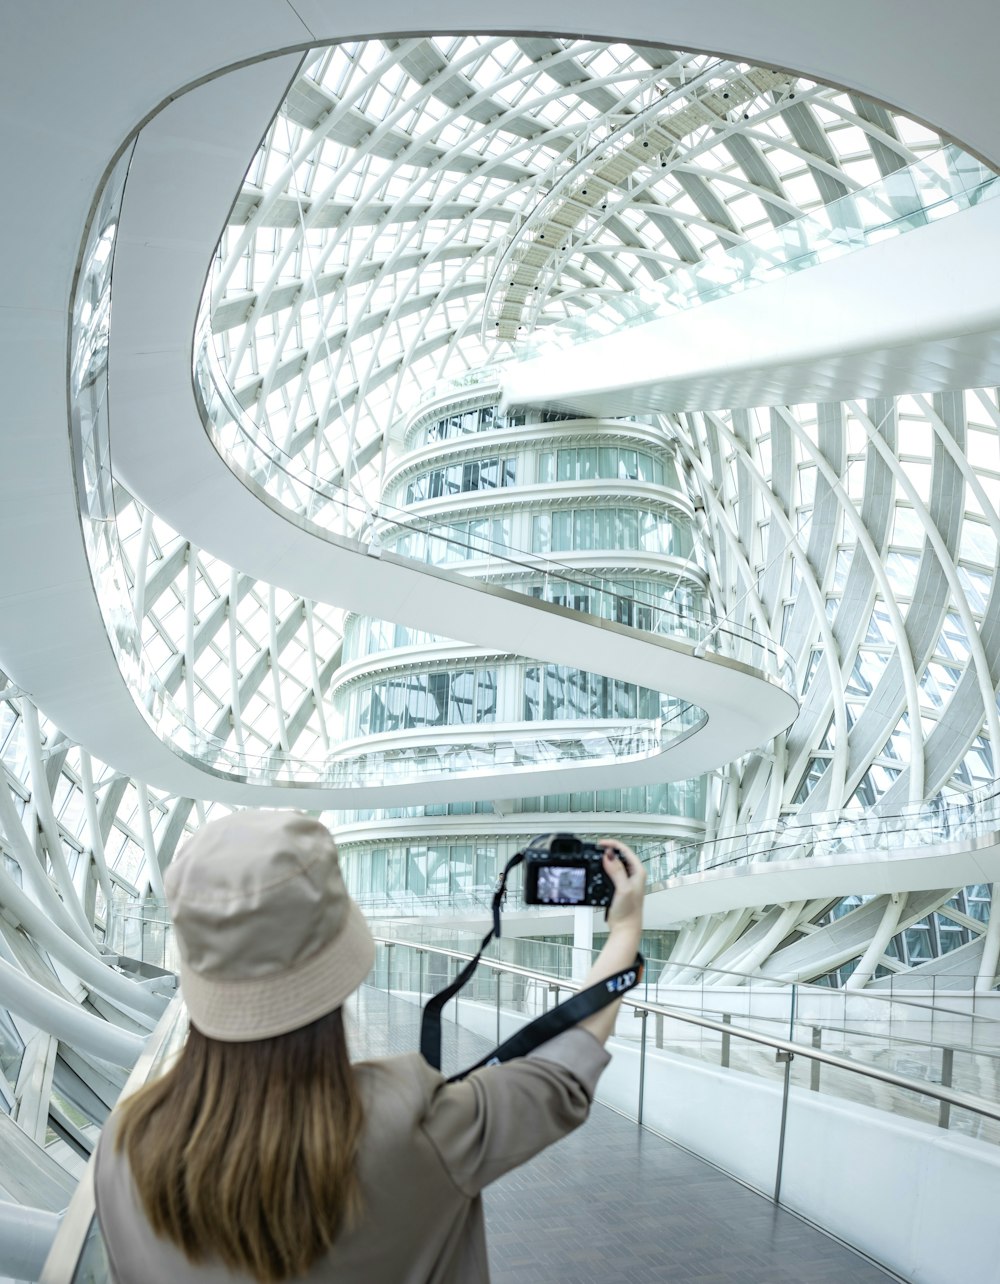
{"points": [[465, 436]]}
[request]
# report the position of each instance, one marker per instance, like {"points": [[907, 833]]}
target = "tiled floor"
{"points": [[612, 1203]]}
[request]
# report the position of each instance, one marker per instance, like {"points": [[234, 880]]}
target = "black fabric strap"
{"points": [[562, 1017], [430, 1026], [547, 1026]]}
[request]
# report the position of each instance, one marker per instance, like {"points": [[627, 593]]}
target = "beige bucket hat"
{"points": [[268, 936]]}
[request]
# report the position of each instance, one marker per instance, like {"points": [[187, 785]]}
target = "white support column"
{"points": [[189, 597], [43, 806], [583, 941], [26, 1236], [34, 876], [46, 931], [878, 944], [314, 675], [235, 703], [149, 843], [141, 568], [279, 711], [94, 827], [991, 945], [780, 928]]}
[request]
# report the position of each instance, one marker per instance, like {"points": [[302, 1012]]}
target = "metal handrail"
{"points": [[961, 1100]]}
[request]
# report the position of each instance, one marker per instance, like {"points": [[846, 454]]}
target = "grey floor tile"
{"points": [[614, 1204]]}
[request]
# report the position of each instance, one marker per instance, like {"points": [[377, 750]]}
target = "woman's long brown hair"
{"points": [[244, 1153]]}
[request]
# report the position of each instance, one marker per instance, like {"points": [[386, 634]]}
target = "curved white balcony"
{"points": [[922, 848]]}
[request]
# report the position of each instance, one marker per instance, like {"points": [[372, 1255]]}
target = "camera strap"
{"points": [[562, 1017]]}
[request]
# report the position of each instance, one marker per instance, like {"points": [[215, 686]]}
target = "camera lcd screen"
{"points": [[561, 885]]}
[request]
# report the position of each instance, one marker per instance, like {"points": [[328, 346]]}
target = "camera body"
{"points": [[561, 869]]}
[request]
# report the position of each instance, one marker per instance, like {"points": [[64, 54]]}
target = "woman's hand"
{"points": [[629, 878]]}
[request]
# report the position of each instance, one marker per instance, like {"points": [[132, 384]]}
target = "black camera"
{"points": [[561, 869]]}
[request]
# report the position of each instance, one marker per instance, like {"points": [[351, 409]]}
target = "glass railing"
{"points": [[782, 1068], [936, 186], [285, 482], [879, 1041], [78, 1255], [828, 835], [954, 1031]]}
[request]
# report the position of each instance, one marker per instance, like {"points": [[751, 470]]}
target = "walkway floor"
{"points": [[613, 1204]]}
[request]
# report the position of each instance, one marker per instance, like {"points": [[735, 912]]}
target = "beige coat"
{"points": [[428, 1149]]}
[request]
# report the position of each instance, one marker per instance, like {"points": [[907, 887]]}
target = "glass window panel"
{"points": [[509, 472], [645, 464], [628, 465], [562, 532], [463, 695], [438, 874], [586, 462], [566, 467], [486, 865], [607, 459], [479, 535], [460, 867], [578, 694], [365, 713], [377, 718], [531, 694], [416, 870], [500, 532], [555, 697], [628, 529], [395, 704], [583, 529], [378, 869], [486, 696], [625, 700], [650, 533], [438, 686], [546, 466], [604, 528]]}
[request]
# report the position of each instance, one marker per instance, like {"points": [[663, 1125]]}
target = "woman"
{"points": [[263, 1154]]}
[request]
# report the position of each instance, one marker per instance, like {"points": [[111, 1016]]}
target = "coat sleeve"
{"points": [[501, 1116]]}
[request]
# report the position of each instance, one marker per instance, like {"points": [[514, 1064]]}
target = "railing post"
{"points": [[422, 955], [499, 980], [727, 1019], [786, 1057], [643, 1014], [388, 967], [659, 1029], [947, 1068], [817, 1042]]}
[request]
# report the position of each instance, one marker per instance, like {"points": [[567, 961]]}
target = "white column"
{"points": [[583, 941]]}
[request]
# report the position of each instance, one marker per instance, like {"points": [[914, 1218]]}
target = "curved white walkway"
{"points": [[874, 872], [187, 164], [52, 639], [920, 312]]}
